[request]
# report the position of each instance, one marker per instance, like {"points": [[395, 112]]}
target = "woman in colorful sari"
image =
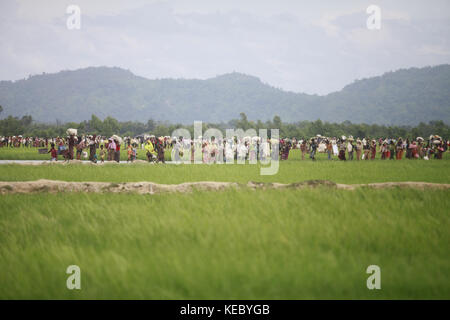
{"points": [[413, 148], [439, 150], [373, 150], [117, 152], [383, 150]]}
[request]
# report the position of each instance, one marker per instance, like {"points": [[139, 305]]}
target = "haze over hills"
{"points": [[403, 97]]}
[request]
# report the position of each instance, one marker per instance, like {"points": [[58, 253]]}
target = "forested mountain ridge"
{"points": [[403, 97]]}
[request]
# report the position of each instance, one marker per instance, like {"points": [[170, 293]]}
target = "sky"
{"points": [[314, 47]]}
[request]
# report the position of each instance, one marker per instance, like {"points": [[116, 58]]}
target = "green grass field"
{"points": [[235, 244], [289, 171], [313, 244]]}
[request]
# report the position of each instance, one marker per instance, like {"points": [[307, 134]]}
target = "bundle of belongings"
{"points": [[72, 132]]}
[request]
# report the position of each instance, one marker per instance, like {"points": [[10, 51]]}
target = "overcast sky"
{"points": [[302, 46]]}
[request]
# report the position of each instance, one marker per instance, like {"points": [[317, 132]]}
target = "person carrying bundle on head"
{"points": [[342, 148]]}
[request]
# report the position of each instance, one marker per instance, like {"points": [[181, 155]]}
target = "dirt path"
{"points": [[52, 186]]}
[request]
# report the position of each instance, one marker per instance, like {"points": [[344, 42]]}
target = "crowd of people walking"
{"points": [[212, 150], [348, 148]]}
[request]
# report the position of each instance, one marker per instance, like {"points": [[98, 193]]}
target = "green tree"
{"points": [[277, 122], [110, 126], [150, 125], [242, 123], [95, 125]]}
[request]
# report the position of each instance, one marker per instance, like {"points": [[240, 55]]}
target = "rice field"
{"points": [[309, 244], [233, 244], [437, 171]]}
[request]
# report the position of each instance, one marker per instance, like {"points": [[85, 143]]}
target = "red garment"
{"points": [[54, 153]]}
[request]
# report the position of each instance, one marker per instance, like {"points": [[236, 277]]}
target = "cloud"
{"points": [[434, 50], [299, 46]]}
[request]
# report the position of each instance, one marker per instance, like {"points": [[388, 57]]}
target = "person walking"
{"points": [[350, 148], [160, 149], [303, 149], [366, 148], [399, 149], [392, 149], [359, 148], [71, 145], [313, 147], [117, 151], [149, 148], [111, 149], [92, 148], [373, 150], [329, 146]]}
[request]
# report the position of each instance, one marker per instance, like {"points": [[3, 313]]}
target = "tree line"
{"points": [[26, 126]]}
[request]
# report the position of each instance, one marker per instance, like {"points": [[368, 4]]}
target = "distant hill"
{"points": [[405, 96]]}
